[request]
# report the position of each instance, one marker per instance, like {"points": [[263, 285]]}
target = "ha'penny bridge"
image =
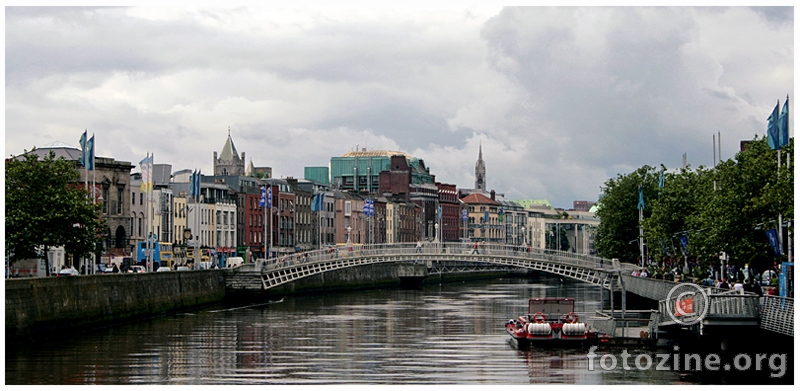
{"points": [[702, 310]]}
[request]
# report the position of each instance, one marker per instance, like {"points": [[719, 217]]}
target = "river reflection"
{"points": [[448, 334]]}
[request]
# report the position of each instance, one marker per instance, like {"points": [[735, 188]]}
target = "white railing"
{"points": [[777, 314], [430, 251]]}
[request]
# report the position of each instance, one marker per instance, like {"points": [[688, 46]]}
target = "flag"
{"points": [[269, 197], [783, 124], [684, 244], [772, 236], [661, 180], [82, 161], [773, 138], [90, 154], [317, 204], [263, 201], [197, 183], [146, 165], [641, 198], [500, 215], [192, 180], [464, 214]]}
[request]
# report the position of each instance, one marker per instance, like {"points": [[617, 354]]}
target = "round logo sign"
{"points": [[687, 303]]}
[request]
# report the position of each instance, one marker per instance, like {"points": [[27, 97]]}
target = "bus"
{"points": [[162, 254]]}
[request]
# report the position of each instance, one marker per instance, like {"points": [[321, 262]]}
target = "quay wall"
{"points": [[50, 306], [46, 307]]}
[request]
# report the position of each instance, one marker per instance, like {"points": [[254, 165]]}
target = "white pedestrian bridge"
{"points": [[724, 308]]}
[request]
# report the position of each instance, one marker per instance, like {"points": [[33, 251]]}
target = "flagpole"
{"points": [[94, 189], [86, 174]]}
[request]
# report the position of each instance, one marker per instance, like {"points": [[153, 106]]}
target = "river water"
{"points": [[446, 334]]}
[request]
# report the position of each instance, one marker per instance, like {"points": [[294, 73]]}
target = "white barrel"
{"points": [[539, 329], [573, 329]]}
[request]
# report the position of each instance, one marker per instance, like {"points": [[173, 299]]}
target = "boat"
{"points": [[551, 321]]}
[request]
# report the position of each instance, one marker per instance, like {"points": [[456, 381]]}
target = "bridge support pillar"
{"points": [[411, 275]]}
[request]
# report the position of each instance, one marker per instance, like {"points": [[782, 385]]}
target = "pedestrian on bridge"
{"points": [[419, 246], [474, 247]]}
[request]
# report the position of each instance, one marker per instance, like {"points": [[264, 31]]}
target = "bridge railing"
{"points": [[729, 304], [777, 314], [447, 250]]}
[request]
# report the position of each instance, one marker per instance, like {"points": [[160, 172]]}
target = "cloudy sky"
{"points": [[561, 99]]}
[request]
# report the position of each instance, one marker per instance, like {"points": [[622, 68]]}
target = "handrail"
{"points": [[449, 250]]}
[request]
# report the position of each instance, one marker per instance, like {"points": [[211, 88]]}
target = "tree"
{"points": [[46, 208], [721, 209], [618, 232], [750, 193]]}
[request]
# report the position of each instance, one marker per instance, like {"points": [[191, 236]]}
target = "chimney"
{"points": [[492, 195]]}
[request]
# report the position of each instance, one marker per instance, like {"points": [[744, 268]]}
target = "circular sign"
{"points": [[687, 303]]}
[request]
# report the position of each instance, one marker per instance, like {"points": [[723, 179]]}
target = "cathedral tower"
{"points": [[229, 163]]}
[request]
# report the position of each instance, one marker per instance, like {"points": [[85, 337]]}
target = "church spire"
{"points": [[480, 170]]}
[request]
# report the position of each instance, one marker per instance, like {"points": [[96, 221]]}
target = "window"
{"points": [[105, 199], [133, 198], [141, 198], [120, 197]]}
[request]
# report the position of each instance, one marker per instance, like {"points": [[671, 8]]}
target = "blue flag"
{"points": [[641, 198], [90, 154], [191, 184], [464, 214], [82, 161], [783, 124], [684, 244], [773, 137], [772, 236], [318, 202], [197, 184], [269, 197], [263, 201]]}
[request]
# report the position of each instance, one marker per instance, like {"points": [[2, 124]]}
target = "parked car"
{"points": [[182, 268], [105, 269], [163, 269], [767, 276], [68, 272], [137, 269]]}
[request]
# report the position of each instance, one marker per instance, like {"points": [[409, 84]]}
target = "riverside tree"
{"points": [[723, 209], [45, 207]]}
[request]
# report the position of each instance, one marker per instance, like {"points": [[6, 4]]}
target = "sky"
{"points": [[560, 99]]}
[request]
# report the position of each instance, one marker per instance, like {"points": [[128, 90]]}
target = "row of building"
{"points": [[404, 202]]}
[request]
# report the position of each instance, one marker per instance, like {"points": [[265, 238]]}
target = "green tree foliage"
{"points": [[46, 208], [618, 232], [724, 209]]}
